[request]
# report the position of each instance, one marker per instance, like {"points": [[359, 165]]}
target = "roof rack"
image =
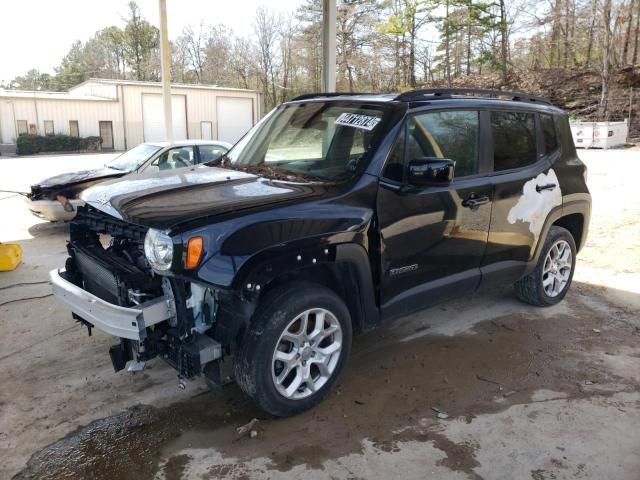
{"points": [[445, 93], [307, 96]]}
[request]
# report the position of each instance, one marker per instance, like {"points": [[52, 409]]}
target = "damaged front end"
{"points": [[53, 204], [58, 198], [109, 284]]}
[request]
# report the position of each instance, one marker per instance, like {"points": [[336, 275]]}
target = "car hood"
{"points": [[167, 199], [72, 178]]}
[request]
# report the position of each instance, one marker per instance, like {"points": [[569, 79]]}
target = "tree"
{"points": [[72, 69], [627, 37], [354, 33], [195, 49], [142, 42], [603, 108], [634, 59], [266, 28], [32, 80], [113, 39]]}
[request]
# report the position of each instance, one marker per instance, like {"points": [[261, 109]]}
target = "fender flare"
{"points": [[582, 207]]}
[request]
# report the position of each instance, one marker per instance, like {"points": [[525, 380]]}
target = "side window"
{"points": [[209, 153], [548, 133], [452, 135], [178, 157], [394, 169], [514, 140]]}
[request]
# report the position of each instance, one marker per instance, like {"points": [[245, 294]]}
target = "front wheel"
{"points": [[295, 348], [549, 282]]}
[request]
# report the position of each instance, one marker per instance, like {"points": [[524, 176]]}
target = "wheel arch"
{"points": [[574, 223], [345, 269]]}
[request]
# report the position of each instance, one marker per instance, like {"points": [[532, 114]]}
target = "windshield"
{"points": [[320, 140], [133, 158]]}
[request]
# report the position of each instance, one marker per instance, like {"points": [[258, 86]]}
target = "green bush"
{"points": [[30, 144]]}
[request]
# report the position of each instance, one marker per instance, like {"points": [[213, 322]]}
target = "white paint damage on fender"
{"points": [[533, 206]]}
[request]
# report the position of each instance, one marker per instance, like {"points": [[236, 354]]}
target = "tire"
{"points": [[313, 358], [548, 283]]}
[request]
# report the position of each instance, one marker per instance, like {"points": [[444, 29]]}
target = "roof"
{"points": [[141, 83], [441, 97], [44, 95]]}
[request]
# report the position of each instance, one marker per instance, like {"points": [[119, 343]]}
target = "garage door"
{"points": [[153, 117], [235, 118]]}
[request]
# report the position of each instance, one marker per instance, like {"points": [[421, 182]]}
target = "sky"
{"points": [[38, 33]]}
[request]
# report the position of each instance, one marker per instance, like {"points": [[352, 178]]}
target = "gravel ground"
{"points": [[530, 393]]}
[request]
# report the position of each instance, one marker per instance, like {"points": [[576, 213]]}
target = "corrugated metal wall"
{"points": [[201, 107], [87, 113]]}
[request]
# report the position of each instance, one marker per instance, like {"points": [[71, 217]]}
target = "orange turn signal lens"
{"points": [[194, 252]]}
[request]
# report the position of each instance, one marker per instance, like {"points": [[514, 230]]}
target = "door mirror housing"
{"points": [[431, 171]]}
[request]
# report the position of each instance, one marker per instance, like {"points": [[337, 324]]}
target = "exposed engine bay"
{"points": [[106, 259]]}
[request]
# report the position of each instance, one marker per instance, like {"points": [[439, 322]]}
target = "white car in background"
{"points": [[57, 198]]}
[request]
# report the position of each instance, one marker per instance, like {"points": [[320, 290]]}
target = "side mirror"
{"points": [[431, 171]]}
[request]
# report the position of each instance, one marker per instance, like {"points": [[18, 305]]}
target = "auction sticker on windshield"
{"points": [[366, 122]]}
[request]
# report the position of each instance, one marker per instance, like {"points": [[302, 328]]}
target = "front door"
{"points": [[433, 238], [106, 134]]}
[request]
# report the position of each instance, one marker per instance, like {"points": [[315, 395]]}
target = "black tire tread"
{"points": [[529, 288], [248, 358]]}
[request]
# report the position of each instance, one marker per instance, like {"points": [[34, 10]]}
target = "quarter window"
{"points": [[548, 133], [452, 135], [514, 140]]}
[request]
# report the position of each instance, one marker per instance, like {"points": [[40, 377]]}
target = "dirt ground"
{"points": [[529, 393]]}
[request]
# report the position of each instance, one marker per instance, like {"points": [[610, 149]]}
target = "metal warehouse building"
{"points": [[125, 113]]}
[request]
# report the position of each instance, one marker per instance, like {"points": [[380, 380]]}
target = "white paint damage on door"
{"points": [[533, 206]]}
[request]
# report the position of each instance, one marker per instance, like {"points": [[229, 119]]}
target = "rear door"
{"points": [[525, 190], [433, 238]]}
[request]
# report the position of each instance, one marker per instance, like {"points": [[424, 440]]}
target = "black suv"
{"points": [[335, 212]]}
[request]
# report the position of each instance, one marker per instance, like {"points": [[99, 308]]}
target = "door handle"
{"points": [[474, 202], [548, 186]]}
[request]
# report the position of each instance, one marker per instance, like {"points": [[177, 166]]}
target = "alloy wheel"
{"points": [[306, 354], [556, 271]]}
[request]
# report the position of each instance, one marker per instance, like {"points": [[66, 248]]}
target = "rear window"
{"points": [[514, 140], [548, 133]]}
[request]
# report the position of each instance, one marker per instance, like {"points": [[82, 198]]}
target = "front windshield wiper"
{"points": [[114, 168]]}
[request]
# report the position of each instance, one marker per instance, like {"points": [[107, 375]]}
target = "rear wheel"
{"points": [[295, 349], [549, 282]]}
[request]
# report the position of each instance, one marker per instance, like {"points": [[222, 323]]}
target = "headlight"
{"points": [[158, 248]]}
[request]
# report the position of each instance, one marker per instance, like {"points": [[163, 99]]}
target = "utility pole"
{"points": [[329, 19], [165, 63]]}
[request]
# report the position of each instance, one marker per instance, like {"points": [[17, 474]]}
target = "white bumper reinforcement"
{"points": [[124, 322]]}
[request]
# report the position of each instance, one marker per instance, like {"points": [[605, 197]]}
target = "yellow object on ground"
{"points": [[10, 256]]}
